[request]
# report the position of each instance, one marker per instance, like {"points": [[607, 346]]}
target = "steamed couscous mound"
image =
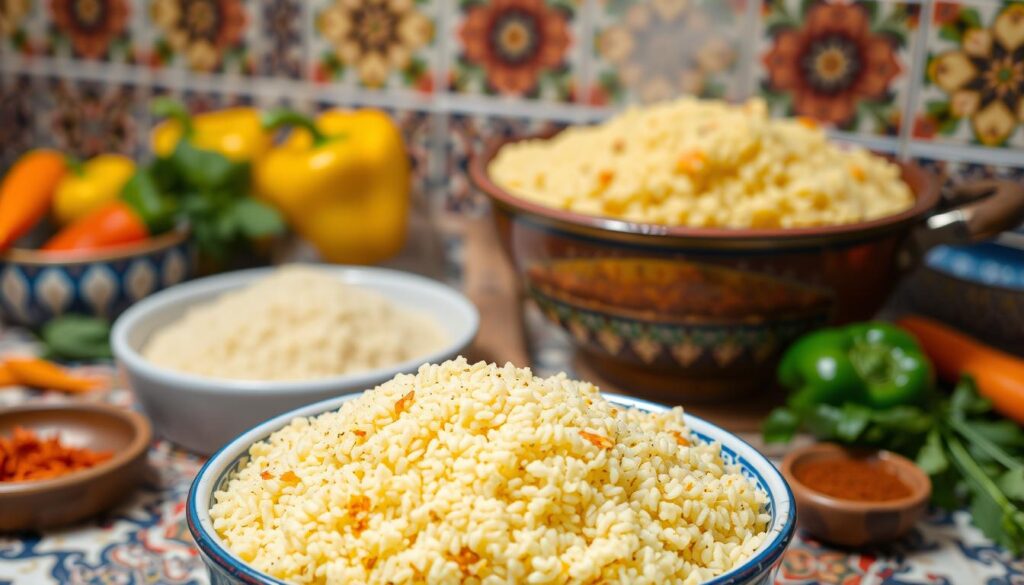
{"points": [[703, 164], [475, 473]]}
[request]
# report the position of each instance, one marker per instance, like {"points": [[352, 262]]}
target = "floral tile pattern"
{"points": [[653, 50], [467, 134], [16, 116], [974, 79], [844, 64], [86, 118], [374, 44], [281, 37], [91, 29], [519, 48], [202, 36], [21, 24]]}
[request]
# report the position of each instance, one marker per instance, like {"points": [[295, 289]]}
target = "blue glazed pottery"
{"points": [[977, 288], [227, 569], [37, 286]]}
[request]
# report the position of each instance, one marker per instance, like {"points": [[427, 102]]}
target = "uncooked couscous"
{"points": [[476, 473], [703, 163], [299, 323]]}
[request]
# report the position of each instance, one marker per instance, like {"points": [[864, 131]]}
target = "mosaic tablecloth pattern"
{"points": [[146, 541]]}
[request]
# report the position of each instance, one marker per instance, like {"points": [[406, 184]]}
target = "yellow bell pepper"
{"points": [[91, 185], [342, 183], [237, 133]]}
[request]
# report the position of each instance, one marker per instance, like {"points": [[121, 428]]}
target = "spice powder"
{"points": [[860, 480]]}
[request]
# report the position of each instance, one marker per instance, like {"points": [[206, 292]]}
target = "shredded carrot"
{"points": [[857, 172], [266, 475], [46, 375], [807, 122], [683, 441], [599, 441], [404, 403], [359, 433], [289, 477], [26, 457], [690, 162]]}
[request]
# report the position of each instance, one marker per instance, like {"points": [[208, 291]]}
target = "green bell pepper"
{"points": [[874, 364]]}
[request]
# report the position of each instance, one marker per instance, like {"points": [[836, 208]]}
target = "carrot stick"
{"points": [[46, 375], [26, 193], [998, 375], [6, 377]]}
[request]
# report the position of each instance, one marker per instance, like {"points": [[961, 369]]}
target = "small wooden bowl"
{"points": [[34, 505], [852, 523]]}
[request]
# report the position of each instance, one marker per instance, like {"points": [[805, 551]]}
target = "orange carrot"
{"points": [[46, 375], [26, 193], [6, 377], [999, 376]]}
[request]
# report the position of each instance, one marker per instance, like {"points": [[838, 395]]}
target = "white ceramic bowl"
{"points": [[202, 414], [227, 569]]}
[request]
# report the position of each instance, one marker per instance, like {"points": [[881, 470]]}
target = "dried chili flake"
{"points": [[266, 475], [599, 441], [359, 433], [404, 402], [681, 439], [24, 457]]}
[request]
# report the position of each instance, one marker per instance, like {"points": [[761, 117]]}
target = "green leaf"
{"points": [[206, 169], [780, 426], [1012, 484], [932, 457], [255, 219], [77, 337], [951, 33], [970, 17], [966, 401], [142, 194], [1005, 433]]}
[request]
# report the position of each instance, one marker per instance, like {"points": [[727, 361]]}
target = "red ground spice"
{"points": [[859, 480]]}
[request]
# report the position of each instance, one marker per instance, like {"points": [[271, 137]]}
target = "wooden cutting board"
{"points": [[492, 284]]}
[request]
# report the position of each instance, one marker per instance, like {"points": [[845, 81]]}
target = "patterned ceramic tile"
{"points": [[199, 101], [974, 79], [203, 36], [91, 29], [845, 64], [22, 28], [374, 44], [87, 118], [16, 117], [957, 172], [656, 49], [281, 38], [466, 135], [520, 48]]}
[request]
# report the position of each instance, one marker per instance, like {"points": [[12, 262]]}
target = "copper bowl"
{"points": [[694, 313], [851, 523]]}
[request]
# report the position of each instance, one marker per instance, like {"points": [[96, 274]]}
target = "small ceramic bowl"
{"points": [[35, 505], [37, 286], [201, 414], [852, 523], [228, 569]]}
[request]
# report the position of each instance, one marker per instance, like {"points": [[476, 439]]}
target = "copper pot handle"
{"points": [[992, 206]]}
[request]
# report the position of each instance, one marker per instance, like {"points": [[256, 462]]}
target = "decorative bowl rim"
{"points": [[925, 199], [30, 257], [132, 359], [781, 529]]}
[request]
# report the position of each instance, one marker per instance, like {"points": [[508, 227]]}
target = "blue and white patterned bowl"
{"points": [[36, 286], [227, 569]]}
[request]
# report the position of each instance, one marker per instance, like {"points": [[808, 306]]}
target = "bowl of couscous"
{"points": [[474, 472], [694, 239]]}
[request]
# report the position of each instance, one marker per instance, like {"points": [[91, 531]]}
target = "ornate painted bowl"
{"points": [[651, 305], [227, 569], [36, 286]]}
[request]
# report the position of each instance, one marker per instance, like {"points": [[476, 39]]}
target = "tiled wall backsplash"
{"points": [[942, 82]]}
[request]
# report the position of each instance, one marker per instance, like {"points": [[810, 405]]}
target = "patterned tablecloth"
{"points": [[146, 541]]}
